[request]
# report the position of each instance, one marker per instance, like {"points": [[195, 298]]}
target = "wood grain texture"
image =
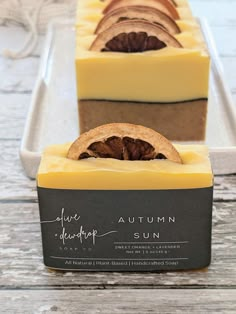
{"points": [[119, 301], [13, 110], [16, 81], [17, 76], [21, 264], [26, 286], [14, 184]]}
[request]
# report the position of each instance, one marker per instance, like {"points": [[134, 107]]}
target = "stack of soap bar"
{"points": [[142, 62]]}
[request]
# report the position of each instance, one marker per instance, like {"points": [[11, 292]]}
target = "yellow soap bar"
{"points": [[166, 75], [58, 172]]}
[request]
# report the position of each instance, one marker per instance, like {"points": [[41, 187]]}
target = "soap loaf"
{"points": [[142, 62]]}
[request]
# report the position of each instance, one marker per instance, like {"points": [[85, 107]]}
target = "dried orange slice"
{"points": [[123, 141], [134, 36], [173, 2], [138, 12], [163, 5]]}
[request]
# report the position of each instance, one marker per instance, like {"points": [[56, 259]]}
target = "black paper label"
{"points": [[126, 230]]}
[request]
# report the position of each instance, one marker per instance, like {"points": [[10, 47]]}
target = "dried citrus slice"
{"points": [[123, 141], [138, 12], [134, 36], [163, 5], [173, 2]]}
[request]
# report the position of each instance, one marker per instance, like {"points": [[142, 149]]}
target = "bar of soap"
{"points": [[58, 172], [103, 214], [164, 89]]}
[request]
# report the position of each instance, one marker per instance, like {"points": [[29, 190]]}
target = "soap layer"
{"points": [[56, 171], [166, 75], [172, 120]]}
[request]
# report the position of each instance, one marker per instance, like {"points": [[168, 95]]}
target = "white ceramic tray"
{"points": [[52, 117]]}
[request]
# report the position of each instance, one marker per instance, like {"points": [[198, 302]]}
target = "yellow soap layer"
{"points": [[56, 171], [166, 75], [169, 76]]}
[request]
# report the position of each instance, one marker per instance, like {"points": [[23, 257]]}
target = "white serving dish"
{"points": [[53, 118]]}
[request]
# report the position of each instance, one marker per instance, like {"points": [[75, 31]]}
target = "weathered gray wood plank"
{"points": [[19, 76], [14, 184], [225, 188], [13, 111], [21, 264], [119, 301]]}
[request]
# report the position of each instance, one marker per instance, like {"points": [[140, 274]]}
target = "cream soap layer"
{"points": [[57, 171], [147, 76]]}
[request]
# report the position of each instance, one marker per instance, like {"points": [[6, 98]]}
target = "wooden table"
{"points": [[28, 287]]}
